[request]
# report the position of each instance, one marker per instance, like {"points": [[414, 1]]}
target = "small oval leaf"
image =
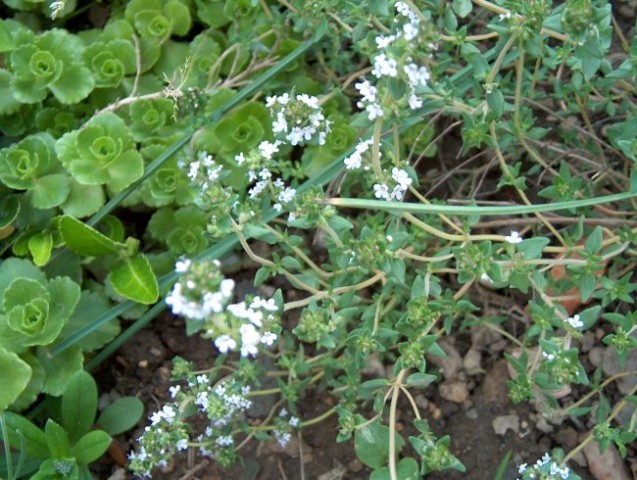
{"points": [[91, 447], [123, 414], [85, 240], [135, 280]]}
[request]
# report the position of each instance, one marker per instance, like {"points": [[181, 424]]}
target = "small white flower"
{"points": [[182, 444], [294, 422], [174, 390], [225, 441], [414, 102], [182, 266], [410, 31], [280, 124], [575, 322], [287, 195], [381, 191], [267, 149], [513, 238], [225, 343], [353, 162], [311, 102], [384, 67], [374, 111], [282, 438], [366, 90], [401, 177], [226, 287], [268, 338], [250, 339], [383, 41]]}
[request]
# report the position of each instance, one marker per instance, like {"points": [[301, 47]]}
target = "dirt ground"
{"points": [[142, 368]]}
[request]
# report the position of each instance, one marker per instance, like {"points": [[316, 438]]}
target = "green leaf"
{"points": [[14, 378], [406, 469], [13, 268], [85, 240], [40, 246], [499, 474], [135, 280], [420, 380], [371, 443], [59, 368], [121, 415], [9, 209], [74, 84], [6, 39], [532, 247], [79, 405], [57, 440], [33, 438], [83, 200], [462, 8], [8, 103], [50, 191], [91, 447], [91, 305], [594, 241], [379, 7]]}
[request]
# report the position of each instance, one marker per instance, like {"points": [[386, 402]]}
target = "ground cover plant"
{"points": [[379, 166]]}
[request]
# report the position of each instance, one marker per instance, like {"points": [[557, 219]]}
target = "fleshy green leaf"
{"points": [[91, 447], [40, 246], [135, 280], [85, 240], [57, 440], [50, 191], [121, 415], [83, 200], [13, 268], [79, 405], [74, 84], [14, 378]]}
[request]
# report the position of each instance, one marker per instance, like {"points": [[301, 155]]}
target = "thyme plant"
{"points": [[317, 138]]}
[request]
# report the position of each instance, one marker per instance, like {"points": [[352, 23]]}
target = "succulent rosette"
{"points": [[101, 153], [52, 62]]}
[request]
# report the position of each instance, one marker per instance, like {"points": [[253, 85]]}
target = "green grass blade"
{"points": [[474, 210]]}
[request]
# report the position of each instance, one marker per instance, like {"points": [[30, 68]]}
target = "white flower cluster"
{"points": [[252, 318], [298, 118], [165, 436], [355, 160], [282, 433], [401, 181], [384, 65], [544, 469], [190, 296], [258, 162], [204, 171], [220, 403]]}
